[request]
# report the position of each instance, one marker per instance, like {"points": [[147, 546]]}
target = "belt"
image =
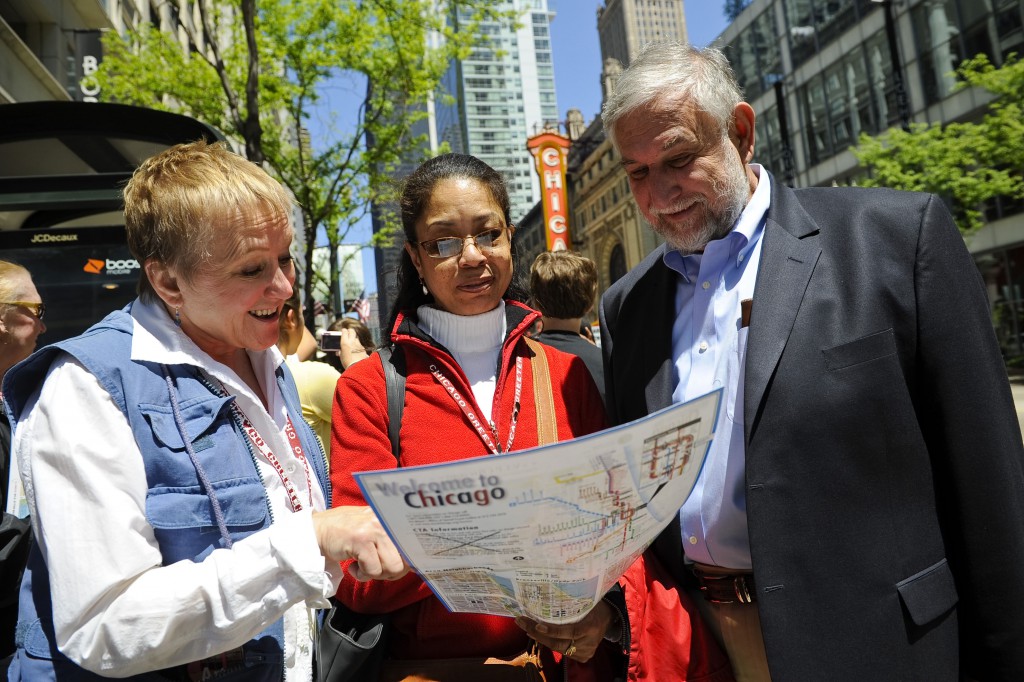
{"points": [[726, 588]]}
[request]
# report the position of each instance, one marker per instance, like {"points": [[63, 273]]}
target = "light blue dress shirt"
{"points": [[709, 349]]}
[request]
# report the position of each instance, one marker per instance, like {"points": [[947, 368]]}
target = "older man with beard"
{"points": [[860, 515]]}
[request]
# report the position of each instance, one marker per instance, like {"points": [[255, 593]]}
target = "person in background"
{"points": [[588, 333], [21, 323], [458, 312], [315, 381], [356, 343], [860, 514], [177, 496], [563, 287]]}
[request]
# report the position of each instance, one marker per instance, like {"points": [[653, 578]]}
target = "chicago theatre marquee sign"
{"points": [[550, 150]]}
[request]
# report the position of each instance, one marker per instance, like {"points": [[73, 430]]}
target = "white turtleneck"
{"points": [[475, 343]]}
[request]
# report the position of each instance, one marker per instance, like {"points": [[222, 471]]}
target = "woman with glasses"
{"points": [[458, 321], [178, 497]]}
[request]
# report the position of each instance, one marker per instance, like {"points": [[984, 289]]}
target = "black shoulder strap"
{"points": [[394, 378]]}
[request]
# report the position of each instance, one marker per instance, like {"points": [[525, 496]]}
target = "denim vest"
{"points": [[178, 505]]}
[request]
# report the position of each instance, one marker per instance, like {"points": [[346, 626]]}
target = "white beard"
{"points": [[732, 192]]}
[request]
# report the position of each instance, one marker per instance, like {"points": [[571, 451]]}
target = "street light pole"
{"points": [[902, 104]]}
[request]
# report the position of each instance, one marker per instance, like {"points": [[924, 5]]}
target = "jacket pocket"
{"points": [[33, 639], [878, 345], [198, 415], [929, 594], [242, 502], [184, 522]]}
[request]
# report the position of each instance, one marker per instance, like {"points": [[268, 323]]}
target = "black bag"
{"points": [[352, 645]]}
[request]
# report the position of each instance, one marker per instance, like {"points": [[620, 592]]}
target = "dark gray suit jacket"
{"points": [[884, 480]]}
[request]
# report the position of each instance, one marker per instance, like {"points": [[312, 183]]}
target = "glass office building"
{"points": [[821, 72], [501, 94]]}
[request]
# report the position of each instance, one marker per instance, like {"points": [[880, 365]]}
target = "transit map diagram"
{"points": [[544, 532]]}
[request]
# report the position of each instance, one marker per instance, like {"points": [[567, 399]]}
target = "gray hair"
{"points": [[703, 76]]}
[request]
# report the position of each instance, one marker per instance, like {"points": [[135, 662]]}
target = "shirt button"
{"points": [[741, 257], [693, 540], [706, 285], [703, 346]]}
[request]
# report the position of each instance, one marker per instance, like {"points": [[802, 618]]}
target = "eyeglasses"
{"points": [[447, 247], [38, 309]]}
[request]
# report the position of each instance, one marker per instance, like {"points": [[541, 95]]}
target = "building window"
{"points": [[617, 264], [813, 24], [849, 100], [755, 56], [1010, 27], [770, 152], [833, 18], [812, 100], [881, 83], [939, 52], [800, 27], [948, 32]]}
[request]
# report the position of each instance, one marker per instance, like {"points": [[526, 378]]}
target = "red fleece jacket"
{"points": [[434, 429]]}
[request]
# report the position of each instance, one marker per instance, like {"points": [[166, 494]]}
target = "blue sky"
{"points": [[577, 53]]}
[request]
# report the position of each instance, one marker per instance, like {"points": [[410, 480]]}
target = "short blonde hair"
{"points": [[8, 271], [176, 201]]}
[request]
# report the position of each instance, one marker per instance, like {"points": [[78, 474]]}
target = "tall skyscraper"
{"points": [[625, 26], [502, 93]]}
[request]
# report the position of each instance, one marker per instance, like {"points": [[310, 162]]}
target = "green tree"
{"points": [[968, 162], [260, 70]]}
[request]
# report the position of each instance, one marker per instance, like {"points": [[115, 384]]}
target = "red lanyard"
{"points": [[471, 416], [264, 448]]}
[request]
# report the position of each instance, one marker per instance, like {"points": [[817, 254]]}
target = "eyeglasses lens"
{"points": [[485, 240], [37, 309], [453, 246], [448, 247]]}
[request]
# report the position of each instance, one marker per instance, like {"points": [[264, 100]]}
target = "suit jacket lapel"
{"points": [[658, 360], [788, 256]]}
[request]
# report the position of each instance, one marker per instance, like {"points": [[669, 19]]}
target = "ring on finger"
{"points": [[570, 650]]}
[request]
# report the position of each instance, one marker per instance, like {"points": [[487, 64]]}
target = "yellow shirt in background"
{"points": [[316, 382]]}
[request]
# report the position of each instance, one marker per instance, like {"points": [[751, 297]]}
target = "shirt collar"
{"points": [[464, 333], [744, 235]]}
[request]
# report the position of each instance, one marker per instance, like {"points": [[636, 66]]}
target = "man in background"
{"points": [[563, 287]]}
